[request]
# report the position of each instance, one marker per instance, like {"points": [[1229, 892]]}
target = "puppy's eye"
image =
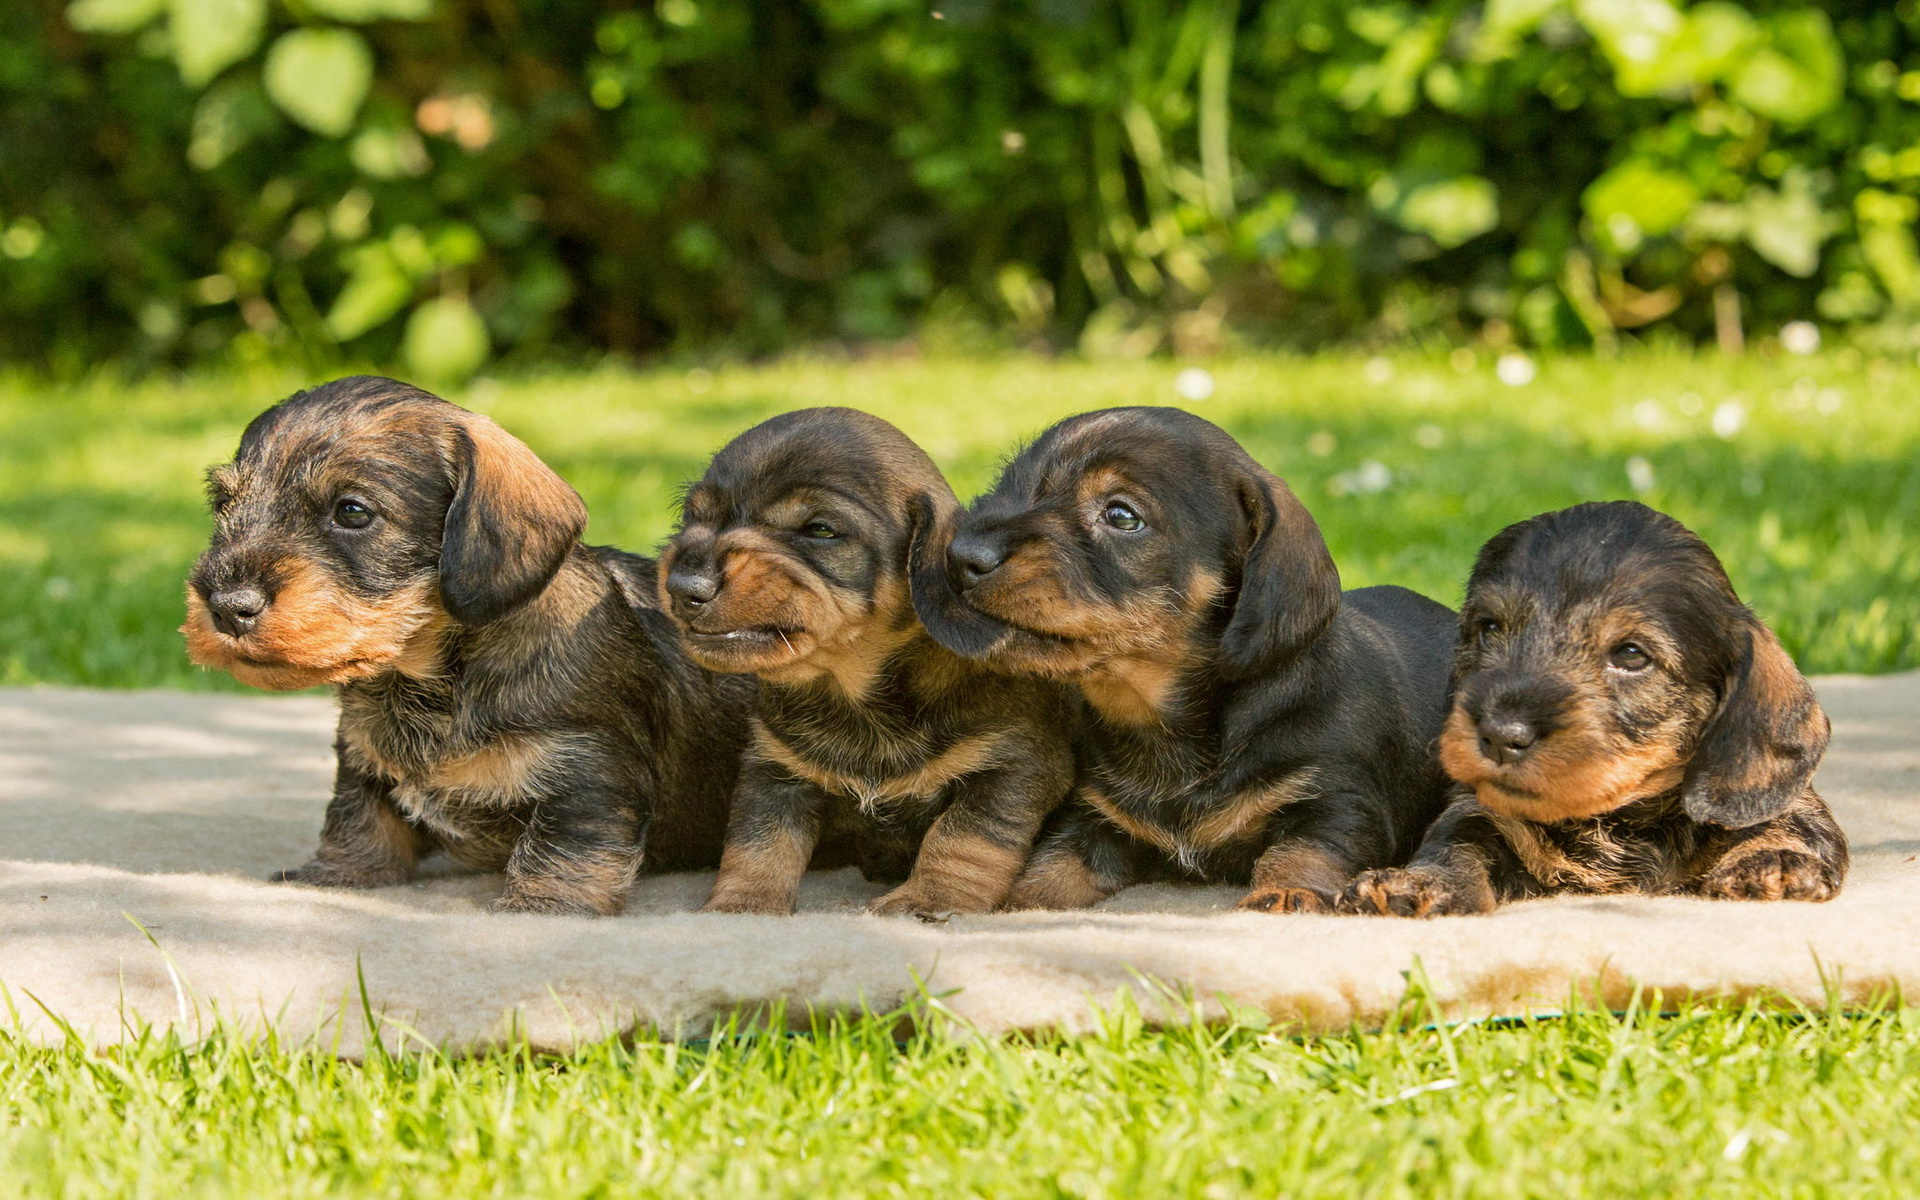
{"points": [[1123, 518], [819, 529], [351, 514], [1485, 629], [1628, 656]]}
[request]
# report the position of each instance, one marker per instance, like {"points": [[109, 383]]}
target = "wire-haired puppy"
{"points": [[1250, 722], [1620, 723], [506, 694], [871, 742]]}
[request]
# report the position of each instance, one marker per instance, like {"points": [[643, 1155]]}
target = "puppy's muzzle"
{"points": [[236, 611]]}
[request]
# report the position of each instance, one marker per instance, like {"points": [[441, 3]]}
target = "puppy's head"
{"points": [[792, 550], [1604, 659], [357, 520], [1125, 534]]}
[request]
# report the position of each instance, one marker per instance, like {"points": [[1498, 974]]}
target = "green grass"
{"points": [[1724, 1101], [1814, 501]]}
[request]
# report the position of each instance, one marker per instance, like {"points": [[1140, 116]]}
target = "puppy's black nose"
{"points": [[692, 588], [236, 611], [1505, 739], [974, 558]]}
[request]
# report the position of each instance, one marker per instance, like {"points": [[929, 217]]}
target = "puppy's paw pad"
{"points": [[1396, 892], [1779, 874], [1286, 900]]}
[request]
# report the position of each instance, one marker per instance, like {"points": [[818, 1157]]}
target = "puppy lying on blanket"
{"points": [[1250, 723], [871, 743], [506, 694], [1621, 723]]}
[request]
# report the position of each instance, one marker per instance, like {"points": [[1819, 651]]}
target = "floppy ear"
{"points": [[948, 618], [1289, 587], [510, 526], [1759, 750]]}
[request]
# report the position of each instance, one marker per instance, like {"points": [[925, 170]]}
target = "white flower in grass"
{"points": [[1729, 419], [1640, 475], [1364, 480], [1378, 370], [1194, 384], [1800, 337], [1515, 369]]}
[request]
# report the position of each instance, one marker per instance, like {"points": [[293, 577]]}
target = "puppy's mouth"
{"points": [[752, 638], [1566, 776], [749, 648]]}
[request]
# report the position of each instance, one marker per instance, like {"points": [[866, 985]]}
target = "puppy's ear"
{"points": [[1759, 750], [510, 526], [948, 618], [1289, 587]]}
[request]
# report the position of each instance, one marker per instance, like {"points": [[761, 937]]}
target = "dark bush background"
{"points": [[453, 182]]}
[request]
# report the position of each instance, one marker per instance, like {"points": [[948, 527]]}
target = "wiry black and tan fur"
{"points": [[507, 695], [1250, 723], [872, 744], [1620, 723]]}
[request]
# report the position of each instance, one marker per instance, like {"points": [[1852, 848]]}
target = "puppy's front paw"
{"points": [[928, 904], [1773, 874], [1286, 900], [1411, 892], [748, 904], [553, 906], [318, 873]]}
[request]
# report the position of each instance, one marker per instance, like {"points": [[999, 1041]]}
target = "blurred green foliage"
{"points": [[445, 182]]}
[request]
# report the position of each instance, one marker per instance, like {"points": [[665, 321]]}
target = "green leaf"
{"points": [[446, 340], [1642, 39], [211, 35], [1452, 211], [1786, 228], [1799, 75], [372, 10], [112, 16], [319, 77], [375, 291], [1512, 18], [1638, 200], [230, 114]]}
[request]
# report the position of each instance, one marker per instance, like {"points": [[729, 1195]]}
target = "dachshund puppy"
{"points": [[1250, 722], [506, 694], [1620, 723], [871, 743]]}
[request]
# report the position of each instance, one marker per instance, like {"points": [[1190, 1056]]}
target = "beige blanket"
{"points": [[167, 810]]}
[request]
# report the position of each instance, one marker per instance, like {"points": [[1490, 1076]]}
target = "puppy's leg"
{"points": [[771, 833], [1314, 846], [580, 850], [365, 842], [1080, 861], [973, 853], [1799, 855], [1463, 866]]}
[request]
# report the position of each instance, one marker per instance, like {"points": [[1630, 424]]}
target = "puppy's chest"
{"points": [[1178, 799], [1603, 855], [421, 738], [875, 760]]}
